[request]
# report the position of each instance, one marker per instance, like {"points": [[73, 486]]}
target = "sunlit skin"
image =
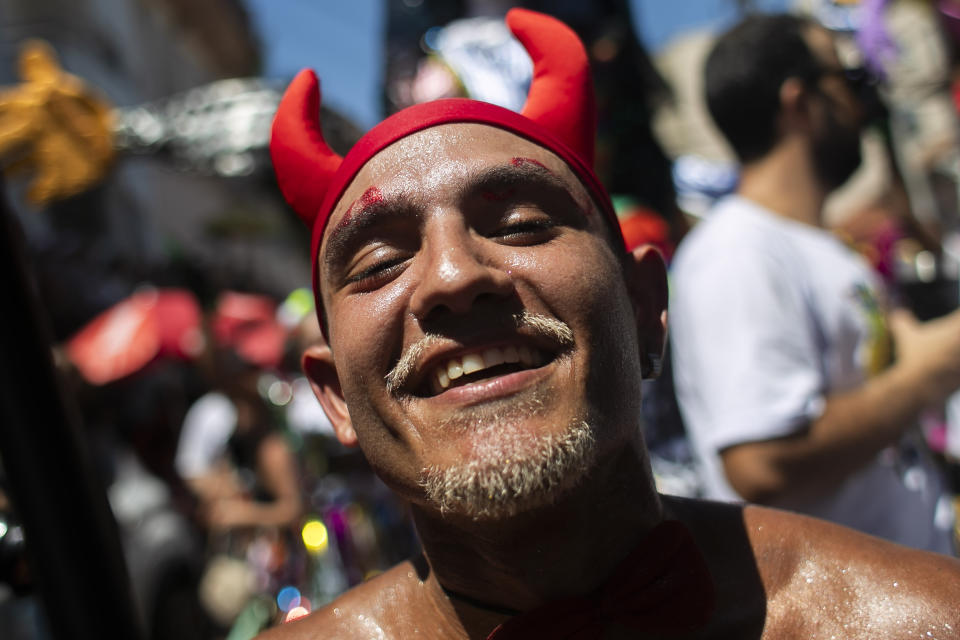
{"points": [[436, 251], [436, 255]]}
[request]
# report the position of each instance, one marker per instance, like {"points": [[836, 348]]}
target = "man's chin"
{"points": [[511, 470]]}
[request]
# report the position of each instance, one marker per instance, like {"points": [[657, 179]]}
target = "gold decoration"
{"points": [[53, 128]]}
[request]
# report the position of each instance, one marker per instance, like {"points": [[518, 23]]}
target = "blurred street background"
{"points": [[170, 281]]}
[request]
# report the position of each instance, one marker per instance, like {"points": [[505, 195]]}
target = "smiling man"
{"points": [[488, 333], [490, 416]]}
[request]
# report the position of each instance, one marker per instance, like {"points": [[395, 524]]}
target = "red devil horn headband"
{"points": [[561, 92], [559, 114], [301, 158]]}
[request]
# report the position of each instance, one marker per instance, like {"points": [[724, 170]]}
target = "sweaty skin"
{"points": [[434, 249], [779, 576], [435, 256]]}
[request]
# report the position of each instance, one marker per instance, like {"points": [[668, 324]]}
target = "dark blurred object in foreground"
{"points": [[72, 539]]}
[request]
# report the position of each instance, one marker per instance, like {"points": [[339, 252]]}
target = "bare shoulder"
{"points": [[821, 579], [378, 608], [780, 575]]}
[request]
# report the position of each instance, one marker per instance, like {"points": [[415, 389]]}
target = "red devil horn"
{"points": [[302, 160], [561, 93]]}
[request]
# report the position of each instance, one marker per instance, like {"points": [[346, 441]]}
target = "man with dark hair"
{"points": [[488, 333], [743, 88], [782, 347]]}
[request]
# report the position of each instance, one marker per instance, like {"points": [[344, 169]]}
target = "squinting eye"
{"points": [[526, 230], [378, 273]]}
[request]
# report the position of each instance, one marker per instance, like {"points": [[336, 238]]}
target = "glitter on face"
{"points": [[518, 162], [413, 169], [371, 196]]}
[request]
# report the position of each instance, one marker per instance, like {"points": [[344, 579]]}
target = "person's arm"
{"points": [[220, 482], [855, 425], [276, 467]]}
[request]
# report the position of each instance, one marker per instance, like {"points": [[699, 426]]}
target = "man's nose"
{"points": [[457, 272]]}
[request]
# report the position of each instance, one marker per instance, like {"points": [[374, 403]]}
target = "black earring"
{"points": [[651, 365]]}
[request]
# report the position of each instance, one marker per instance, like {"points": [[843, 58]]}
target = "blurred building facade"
{"points": [[150, 221]]}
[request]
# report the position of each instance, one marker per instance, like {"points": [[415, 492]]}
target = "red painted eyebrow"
{"points": [[523, 162], [520, 161], [371, 196], [508, 192]]}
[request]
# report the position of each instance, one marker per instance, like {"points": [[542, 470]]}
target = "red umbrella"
{"points": [[248, 324], [150, 324]]}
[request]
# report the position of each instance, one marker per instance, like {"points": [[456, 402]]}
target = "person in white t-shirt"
{"points": [[783, 349]]}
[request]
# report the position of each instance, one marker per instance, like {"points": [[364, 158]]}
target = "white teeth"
{"points": [[493, 357], [472, 363], [526, 356]]}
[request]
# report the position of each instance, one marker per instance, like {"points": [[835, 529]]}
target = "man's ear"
{"points": [[317, 363], [794, 104], [647, 285]]}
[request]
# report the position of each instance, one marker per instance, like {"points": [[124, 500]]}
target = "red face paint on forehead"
{"points": [[372, 195], [519, 161]]}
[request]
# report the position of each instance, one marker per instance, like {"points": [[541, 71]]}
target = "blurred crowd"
{"points": [[236, 506]]}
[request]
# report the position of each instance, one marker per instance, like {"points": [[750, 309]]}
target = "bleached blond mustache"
{"points": [[540, 325]]}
